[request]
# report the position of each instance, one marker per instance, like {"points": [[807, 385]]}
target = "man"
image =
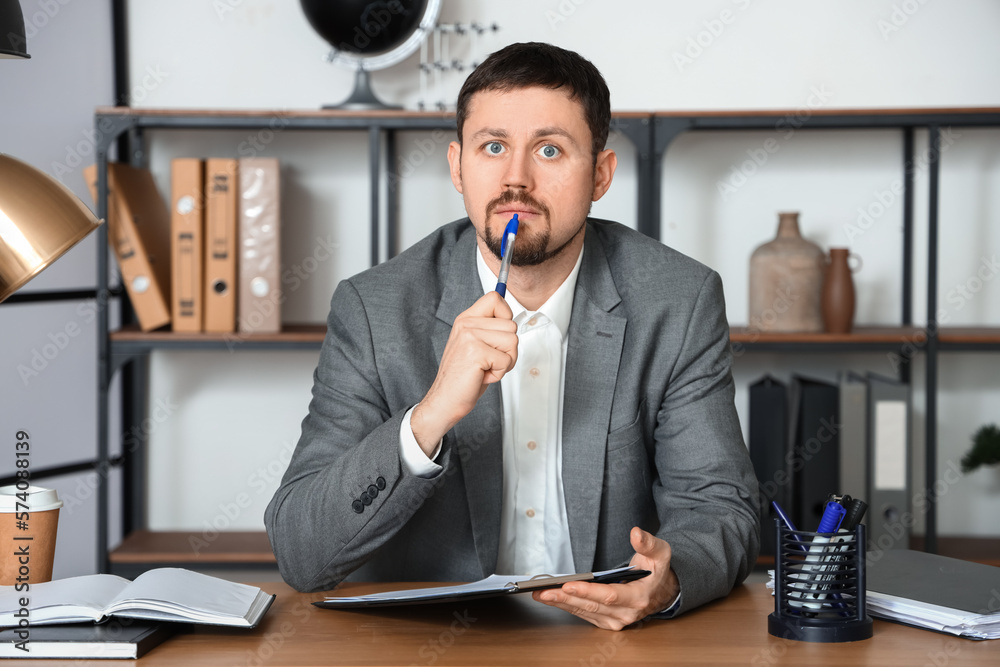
{"points": [[583, 423]]}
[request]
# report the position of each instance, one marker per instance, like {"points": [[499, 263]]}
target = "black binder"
{"points": [[815, 447], [768, 443]]}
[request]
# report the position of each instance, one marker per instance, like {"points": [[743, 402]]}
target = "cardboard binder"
{"points": [[854, 435], [220, 245], [888, 463], [187, 239], [768, 443], [259, 263], [815, 440], [139, 236]]}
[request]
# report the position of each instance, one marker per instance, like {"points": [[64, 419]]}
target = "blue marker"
{"points": [[506, 252]]}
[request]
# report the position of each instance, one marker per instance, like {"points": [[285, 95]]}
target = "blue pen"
{"points": [[788, 524], [506, 252]]}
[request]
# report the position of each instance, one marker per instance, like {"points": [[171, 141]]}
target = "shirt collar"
{"points": [[559, 306]]}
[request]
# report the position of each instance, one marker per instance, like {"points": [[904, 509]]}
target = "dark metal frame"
{"points": [[669, 127]]}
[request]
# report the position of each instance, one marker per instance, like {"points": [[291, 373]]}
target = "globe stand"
{"points": [[363, 98]]}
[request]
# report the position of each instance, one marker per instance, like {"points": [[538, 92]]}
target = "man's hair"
{"points": [[537, 64]]}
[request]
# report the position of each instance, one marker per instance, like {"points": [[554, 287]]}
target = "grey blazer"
{"points": [[650, 432]]}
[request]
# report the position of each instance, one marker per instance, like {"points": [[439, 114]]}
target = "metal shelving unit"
{"points": [[651, 133], [128, 348]]}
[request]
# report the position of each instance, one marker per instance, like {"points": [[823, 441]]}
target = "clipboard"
{"points": [[493, 586]]}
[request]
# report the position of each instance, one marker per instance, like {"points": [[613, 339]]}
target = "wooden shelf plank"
{"points": [[194, 548], [888, 111], [302, 113], [966, 335], [302, 333], [900, 335]]}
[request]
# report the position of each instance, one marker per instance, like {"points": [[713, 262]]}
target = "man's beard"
{"points": [[529, 249]]}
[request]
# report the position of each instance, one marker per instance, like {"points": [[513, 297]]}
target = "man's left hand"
{"points": [[615, 606]]}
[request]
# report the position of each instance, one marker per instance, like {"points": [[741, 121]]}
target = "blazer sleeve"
{"points": [[345, 492], [706, 494]]}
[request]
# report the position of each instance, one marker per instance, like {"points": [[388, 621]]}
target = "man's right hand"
{"points": [[481, 349]]}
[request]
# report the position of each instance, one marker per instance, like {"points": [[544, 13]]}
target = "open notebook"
{"points": [[164, 594]]}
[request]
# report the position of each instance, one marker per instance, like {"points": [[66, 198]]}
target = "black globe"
{"points": [[364, 27]]}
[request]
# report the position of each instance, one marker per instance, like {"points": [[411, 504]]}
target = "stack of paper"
{"points": [[934, 617]]}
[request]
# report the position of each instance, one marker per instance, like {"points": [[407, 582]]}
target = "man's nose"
{"points": [[519, 171]]}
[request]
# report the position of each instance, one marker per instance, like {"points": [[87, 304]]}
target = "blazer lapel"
{"points": [[478, 435], [596, 336]]}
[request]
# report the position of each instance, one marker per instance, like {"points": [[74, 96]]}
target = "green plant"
{"points": [[985, 449]]}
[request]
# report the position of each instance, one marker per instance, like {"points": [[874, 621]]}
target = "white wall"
{"points": [[656, 55]]}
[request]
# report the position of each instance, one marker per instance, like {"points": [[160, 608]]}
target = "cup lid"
{"points": [[40, 499]]}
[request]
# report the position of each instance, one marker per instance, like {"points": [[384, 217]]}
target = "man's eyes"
{"points": [[547, 151]]}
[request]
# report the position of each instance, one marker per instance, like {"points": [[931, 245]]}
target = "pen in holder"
{"points": [[819, 586]]}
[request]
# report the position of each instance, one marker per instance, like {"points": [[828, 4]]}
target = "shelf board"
{"points": [[310, 336], [291, 336], [861, 339], [193, 548], [969, 338]]}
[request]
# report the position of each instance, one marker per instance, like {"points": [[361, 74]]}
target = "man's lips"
{"points": [[520, 211]]}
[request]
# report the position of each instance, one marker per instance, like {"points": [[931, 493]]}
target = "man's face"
{"points": [[528, 151]]}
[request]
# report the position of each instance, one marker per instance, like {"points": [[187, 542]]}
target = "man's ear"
{"points": [[455, 164], [604, 171]]}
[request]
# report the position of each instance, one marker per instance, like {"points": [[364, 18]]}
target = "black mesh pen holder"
{"points": [[819, 586]]}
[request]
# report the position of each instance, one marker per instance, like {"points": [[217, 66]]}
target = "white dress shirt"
{"points": [[534, 530]]}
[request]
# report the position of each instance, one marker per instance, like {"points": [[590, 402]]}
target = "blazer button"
{"points": [[373, 491], [380, 483], [358, 507], [366, 499]]}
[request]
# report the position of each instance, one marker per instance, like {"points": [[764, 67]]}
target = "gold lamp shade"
{"points": [[40, 219]]}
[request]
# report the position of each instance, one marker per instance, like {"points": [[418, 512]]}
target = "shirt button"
{"points": [[534, 372], [532, 444], [530, 513], [533, 321]]}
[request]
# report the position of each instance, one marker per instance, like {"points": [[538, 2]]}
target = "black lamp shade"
{"points": [[12, 40]]}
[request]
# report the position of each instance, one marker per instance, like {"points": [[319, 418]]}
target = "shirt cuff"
{"points": [[414, 460], [671, 610]]}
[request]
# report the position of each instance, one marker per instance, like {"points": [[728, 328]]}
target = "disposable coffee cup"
{"points": [[27, 534]]}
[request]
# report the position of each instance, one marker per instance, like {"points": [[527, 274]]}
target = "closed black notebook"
{"points": [[933, 579], [114, 639]]}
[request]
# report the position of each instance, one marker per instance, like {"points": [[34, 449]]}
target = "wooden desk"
{"points": [[517, 631]]}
